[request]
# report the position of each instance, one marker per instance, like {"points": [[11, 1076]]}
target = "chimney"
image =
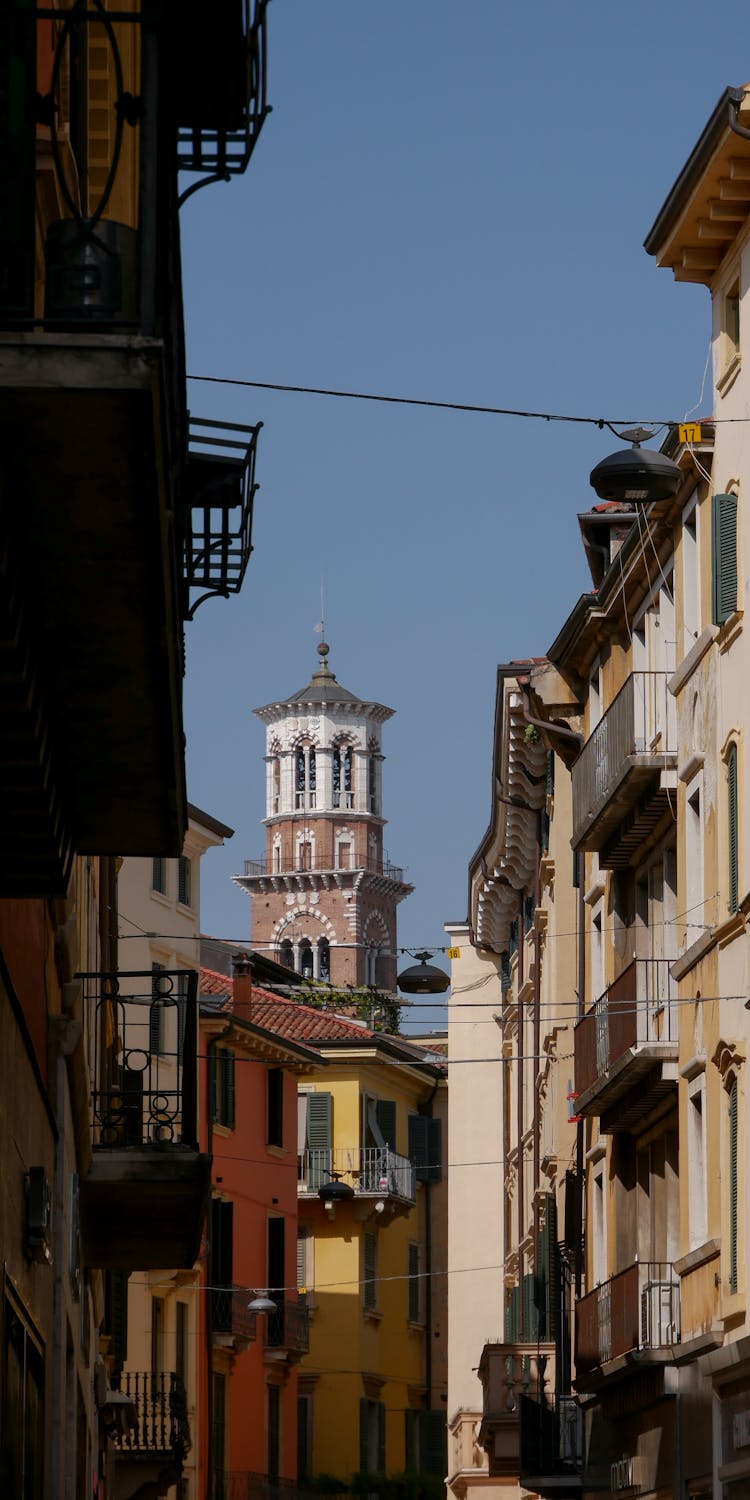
{"points": [[242, 982]]}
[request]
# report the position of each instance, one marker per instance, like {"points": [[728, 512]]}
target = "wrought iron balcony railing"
{"points": [[254, 868], [631, 747], [628, 1031], [509, 1372], [142, 1030], [373, 1171], [221, 487], [551, 1437], [230, 1314], [224, 106], [288, 1328], [637, 1310], [161, 1425]]}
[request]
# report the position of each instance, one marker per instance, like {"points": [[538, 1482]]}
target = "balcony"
{"points": [[633, 1316], [161, 1431], [551, 1442], [626, 1046], [285, 877], [142, 1202], [231, 1320], [376, 1173], [221, 488], [509, 1372], [287, 1330], [626, 770]]}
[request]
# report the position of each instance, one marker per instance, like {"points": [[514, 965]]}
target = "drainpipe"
{"points": [[427, 1110], [537, 1032], [210, 1056], [581, 861], [519, 1103]]}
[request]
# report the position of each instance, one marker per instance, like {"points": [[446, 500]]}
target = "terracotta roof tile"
{"points": [[288, 1018]]}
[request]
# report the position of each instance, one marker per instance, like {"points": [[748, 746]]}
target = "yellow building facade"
{"points": [[373, 1262]]}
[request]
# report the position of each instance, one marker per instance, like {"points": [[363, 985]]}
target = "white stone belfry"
{"points": [[324, 896]]}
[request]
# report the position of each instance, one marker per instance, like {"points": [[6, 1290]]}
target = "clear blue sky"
{"points": [[447, 201]]}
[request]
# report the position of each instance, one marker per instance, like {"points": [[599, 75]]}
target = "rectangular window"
{"points": [[697, 1161], [304, 1437], [159, 875], [691, 577], [183, 880], [273, 1393], [181, 1331], [219, 1434], [733, 1183], [724, 557], [599, 1226], [694, 914], [224, 1088], [23, 1407], [275, 1106], [415, 1284], [411, 1440], [370, 1270], [157, 1334], [426, 1147], [733, 830], [372, 1457], [731, 324]]}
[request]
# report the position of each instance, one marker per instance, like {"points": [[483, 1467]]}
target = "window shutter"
{"points": [[364, 1410], [733, 828], [733, 1186], [530, 1330], [370, 1289], [547, 1271], [724, 517], [511, 1316], [228, 1076], [385, 1114], [426, 1147], [381, 1437], [433, 1446], [156, 1013], [301, 1259], [415, 1285], [319, 1122]]}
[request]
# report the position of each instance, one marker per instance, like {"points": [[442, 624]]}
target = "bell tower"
{"points": [[324, 895]]}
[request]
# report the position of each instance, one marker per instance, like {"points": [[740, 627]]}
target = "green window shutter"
{"points": [[724, 558], [319, 1122], [417, 1146], [733, 829], [530, 1329], [385, 1114], [511, 1316], [733, 1186], [381, 1437], [433, 1444]]}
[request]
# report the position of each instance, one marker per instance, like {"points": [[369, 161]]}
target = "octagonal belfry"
{"points": [[324, 896]]}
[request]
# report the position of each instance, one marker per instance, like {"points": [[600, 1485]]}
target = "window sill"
{"points": [[278, 1151], [692, 658], [731, 628], [371, 1315], [693, 954], [415, 1325], [161, 897], [188, 911], [698, 1257], [222, 1130], [729, 374]]}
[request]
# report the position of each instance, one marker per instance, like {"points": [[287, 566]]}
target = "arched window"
{"points": [[300, 778], [348, 793], [311, 772], [372, 781], [276, 784], [306, 959], [276, 858], [324, 960], [304, 849], [337, 777], [286, 954], [371, 966]]}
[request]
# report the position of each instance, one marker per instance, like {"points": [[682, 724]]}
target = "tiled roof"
{"points": [[301, 1023]]}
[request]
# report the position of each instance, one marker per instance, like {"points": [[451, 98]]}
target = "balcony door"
{"points": [[658, 1202]]}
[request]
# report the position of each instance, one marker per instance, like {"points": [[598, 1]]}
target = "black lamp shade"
{"points": [[636, 475], [424, 979], [335, 1192]]}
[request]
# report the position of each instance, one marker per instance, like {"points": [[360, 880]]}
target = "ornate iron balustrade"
{"points": [[551, 1437], [266, 867], [288, 1328], [375, 1170], [635, 1310], [636, 1009], [221, 486], [143, 1042], [221, 145], [639, 726], [230, 1314], [161, 1420]]}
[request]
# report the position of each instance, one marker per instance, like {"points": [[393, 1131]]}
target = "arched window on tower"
{"points": [[276, 784], [311, 775], [305, 855], [372, 782], [371, 966], [306, 959], [286, 954], [300, 778], [324, 960], [276, 858], [337, 777], [348, 792]]}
